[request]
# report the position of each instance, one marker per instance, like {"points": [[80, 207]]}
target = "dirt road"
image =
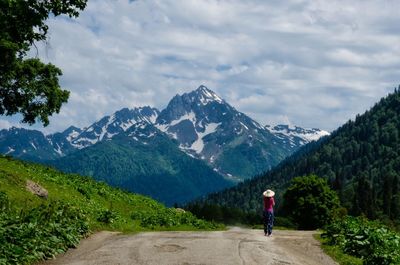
{"points": [[235, 246]]}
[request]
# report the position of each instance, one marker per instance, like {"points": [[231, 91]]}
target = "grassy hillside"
{"points": [[33, 228]]}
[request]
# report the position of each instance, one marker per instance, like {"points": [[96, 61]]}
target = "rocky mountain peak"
{"points": [[199, 104], [71, 129], [109, 126], [204, 95]]}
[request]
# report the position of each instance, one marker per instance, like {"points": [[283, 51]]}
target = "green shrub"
{"points": [[4, 202], [107, 216], [371, 241], [310, 202], [40, 232]]}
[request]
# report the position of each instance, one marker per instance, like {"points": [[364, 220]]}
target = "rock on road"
{"points": [[235, 246]]}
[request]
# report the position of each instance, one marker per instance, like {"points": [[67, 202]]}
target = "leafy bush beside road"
{"points": [[371, 241], [39, 233]]}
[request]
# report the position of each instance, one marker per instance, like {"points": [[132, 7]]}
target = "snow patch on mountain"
{"points": [[291, 131], [104, 129], [58, 150], [142, 131], [165, 128], [247, 128], [206, 96], [188, 116], [153, 118], [72, 135], [198, 145], [10, 150], [126, 125], [34, 146], [78, 142], [162, 127], [313, 136]]}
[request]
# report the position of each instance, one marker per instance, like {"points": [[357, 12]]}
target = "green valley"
{"points": [[150, 165]]}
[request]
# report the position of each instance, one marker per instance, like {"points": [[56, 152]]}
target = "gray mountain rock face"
{"points": [[115, 124]]}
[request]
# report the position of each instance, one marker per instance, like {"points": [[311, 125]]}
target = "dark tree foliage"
{"points": [[29, 86], [310, 202], [360, 160], [157, 168], [364, 199], [224, 214]]}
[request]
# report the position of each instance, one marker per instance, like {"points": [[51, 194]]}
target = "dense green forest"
{"points": [[360, 160], [153, 166]]}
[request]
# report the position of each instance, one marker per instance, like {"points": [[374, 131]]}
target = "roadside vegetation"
{"points": [[336, 253], [370, 241], [34, 228]]}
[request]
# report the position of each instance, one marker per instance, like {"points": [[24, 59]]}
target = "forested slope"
{"points": [[361, 161], [154, 166]]}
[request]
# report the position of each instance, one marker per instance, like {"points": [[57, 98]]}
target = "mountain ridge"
{"points": [[198, 124], [205, 126], [144, 113]]}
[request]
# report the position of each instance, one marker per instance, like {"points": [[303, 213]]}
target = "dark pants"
{"points": [[268, 222]]}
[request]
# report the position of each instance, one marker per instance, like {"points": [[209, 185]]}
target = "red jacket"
{"points": [[269, 203]]}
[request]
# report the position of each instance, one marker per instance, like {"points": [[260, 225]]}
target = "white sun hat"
{"points": [[268, 193]]}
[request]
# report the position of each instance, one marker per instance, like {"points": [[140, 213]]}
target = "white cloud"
{"points": [[315, 63]]}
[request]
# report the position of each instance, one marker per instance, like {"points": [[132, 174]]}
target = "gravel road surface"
{"points": [[236, 246]]}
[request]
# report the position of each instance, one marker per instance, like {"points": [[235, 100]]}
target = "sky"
{"points": [[315, 64]]}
